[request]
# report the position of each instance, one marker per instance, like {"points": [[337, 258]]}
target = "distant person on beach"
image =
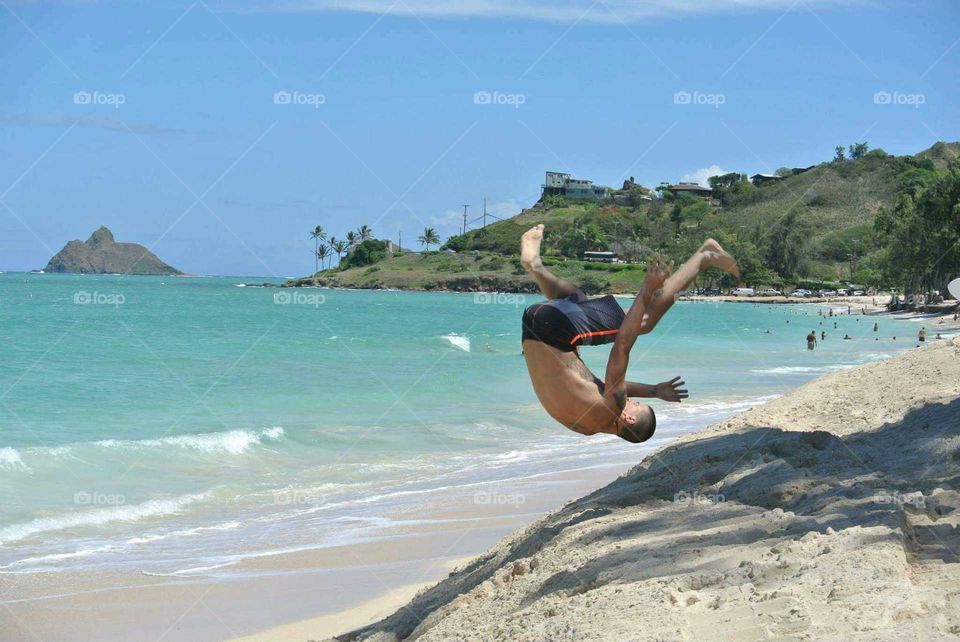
{"points": [[876, 326], [554, 330], [847, 337], [823, 335], [812, 340], [922, 335]]}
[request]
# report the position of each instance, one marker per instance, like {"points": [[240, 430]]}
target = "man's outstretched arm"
{"points": [[667, 390]]}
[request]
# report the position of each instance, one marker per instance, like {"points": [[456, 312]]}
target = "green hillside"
{"points": [[817, 225]]}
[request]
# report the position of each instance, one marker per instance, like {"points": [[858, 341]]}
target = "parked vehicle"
{"points": [[826, 293], [743, 292], [710, 292], [843, 292], [771, 292], [858, 293]]}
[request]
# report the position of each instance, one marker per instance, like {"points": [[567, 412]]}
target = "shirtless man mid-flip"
{"points": [[554, 330]]}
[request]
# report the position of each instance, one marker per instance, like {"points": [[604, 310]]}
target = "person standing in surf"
{"points": [[554, 330]]}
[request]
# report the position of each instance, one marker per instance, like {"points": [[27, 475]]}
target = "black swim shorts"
{"points": [[573, 321]]}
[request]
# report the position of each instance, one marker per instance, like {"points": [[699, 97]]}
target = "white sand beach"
{"points": [[829, 513]]}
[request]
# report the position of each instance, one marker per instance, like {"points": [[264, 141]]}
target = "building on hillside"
{"points": [[561, 183], [690, 188], [763, 179]]}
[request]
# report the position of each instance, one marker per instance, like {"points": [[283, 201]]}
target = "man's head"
{"points": [[637, 422]]}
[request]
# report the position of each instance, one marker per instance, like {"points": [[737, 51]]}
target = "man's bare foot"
{"points": [[530, 248], [716, 257]]}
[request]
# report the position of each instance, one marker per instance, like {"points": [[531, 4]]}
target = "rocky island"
{"points": [[100, 254]]}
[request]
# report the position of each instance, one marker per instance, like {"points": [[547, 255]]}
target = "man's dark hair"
{"points": [[642, 430]]}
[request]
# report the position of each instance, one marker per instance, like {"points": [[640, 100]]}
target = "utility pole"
{"points": [[399, 240], [484, 212], [464, 230]]}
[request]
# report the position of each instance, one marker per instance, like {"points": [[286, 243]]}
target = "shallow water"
{"points": [[175, 426]]}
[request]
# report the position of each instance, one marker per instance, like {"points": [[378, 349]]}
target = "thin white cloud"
{"points": [[564, 11], [700, 176]]}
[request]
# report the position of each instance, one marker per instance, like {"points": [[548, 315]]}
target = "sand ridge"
{"points": [[829, 513]]}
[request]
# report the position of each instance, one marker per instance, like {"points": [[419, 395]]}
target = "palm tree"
{"points": [[429, 237], [339, 247], [317, 235], [352, 238], [323, 252], [365, 233]]}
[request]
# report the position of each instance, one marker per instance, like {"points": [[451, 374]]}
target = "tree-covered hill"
{"points": [[852, 219]]}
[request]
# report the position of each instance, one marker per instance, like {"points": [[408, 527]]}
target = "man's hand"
{"points": [[657, 272], [671, 390]]}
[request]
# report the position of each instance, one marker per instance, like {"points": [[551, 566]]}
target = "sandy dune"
{"points": [[828, 514]]}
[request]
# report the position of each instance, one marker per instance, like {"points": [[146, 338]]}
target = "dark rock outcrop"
{"points": [[102, 255]]}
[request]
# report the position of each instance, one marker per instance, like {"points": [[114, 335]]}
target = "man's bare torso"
{"points": [[567, 389]]}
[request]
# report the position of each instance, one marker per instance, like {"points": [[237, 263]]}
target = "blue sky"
{"points": [[161, 122]]}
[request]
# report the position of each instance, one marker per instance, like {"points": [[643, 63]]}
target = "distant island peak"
{"points": [[101, 254]]}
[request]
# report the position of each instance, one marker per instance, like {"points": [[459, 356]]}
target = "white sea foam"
{"points": [[234, 442], [458, 341], [875, 356], [97, 517], [725, 406], [10, 459], [802, 369]]}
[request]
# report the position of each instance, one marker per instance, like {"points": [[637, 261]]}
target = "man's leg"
{"points": [[710, 255], [552, 286]]}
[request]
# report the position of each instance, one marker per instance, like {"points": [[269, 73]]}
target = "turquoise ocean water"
{"points": [[175, 426]]}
